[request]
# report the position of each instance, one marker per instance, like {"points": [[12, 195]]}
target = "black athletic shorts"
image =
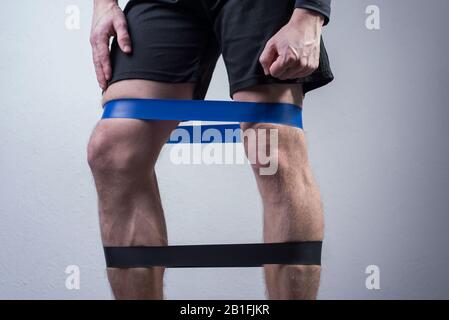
{"points": [[179, 41]]}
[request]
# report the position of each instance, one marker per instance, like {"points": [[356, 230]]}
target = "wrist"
{"points": [[105, 3], [301, 15]]}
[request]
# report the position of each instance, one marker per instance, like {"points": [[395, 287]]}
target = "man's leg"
{"points": [[122, 154], [291, 200]]}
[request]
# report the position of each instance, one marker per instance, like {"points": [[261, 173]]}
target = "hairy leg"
{"points": [[122, 154], [291, 200]]}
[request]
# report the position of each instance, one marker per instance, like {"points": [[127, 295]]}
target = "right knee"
{"points": [[106, 155]]}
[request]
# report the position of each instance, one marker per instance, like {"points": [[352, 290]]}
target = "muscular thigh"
{"points": [[126, 140], [147, 89]]}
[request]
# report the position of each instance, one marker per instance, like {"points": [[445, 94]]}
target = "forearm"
{"points": [[321, 7]]}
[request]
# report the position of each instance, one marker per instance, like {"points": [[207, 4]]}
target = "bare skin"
{"points": [[291, 200], [294, 51], [122, 154]]}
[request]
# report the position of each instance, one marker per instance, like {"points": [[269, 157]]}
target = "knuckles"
{"points": [[290, 58], [263, 60]]}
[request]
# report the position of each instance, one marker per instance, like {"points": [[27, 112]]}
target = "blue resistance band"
{"points": [[199, 110]]}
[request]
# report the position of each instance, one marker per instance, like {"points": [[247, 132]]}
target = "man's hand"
{"points": [[294, 52], [108, 21]]}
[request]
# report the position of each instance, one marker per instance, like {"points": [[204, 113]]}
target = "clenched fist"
{"points": [[294, 52]]}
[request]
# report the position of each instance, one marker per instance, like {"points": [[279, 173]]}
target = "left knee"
{"points": [[275, 150], [285, 174]]}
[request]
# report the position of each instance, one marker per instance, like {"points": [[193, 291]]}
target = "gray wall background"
{"points": [[378, 141]]}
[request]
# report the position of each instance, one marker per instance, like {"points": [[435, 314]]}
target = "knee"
{"points": [[102, 155], [106, 155], [280, 171], [283, 148]]}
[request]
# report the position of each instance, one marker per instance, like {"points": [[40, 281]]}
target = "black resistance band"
{"points": [[215, 256]]}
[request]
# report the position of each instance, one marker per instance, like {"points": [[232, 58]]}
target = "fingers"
{"points": [[267, 57], [123, 38], [307, 65], [289, 64], [106, 24], [300, 69], [283, 63], [102, 64], [99, 73]]}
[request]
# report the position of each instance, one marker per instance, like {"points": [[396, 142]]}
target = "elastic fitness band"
{"points": [[215, 256], [220, 255], [183, 110]]}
